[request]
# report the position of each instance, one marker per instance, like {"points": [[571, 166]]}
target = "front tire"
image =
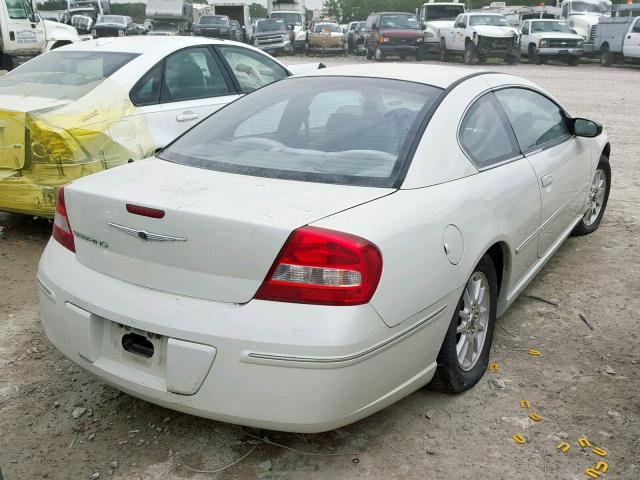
{"points": [[470, 54], [534, 55], [444, 53], [598, 198], [464, 354], [368, 53]]}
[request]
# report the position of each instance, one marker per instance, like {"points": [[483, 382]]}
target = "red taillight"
{"points": [[323, 267], [145, 211], [61, 226]]}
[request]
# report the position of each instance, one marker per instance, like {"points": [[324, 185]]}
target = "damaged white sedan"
{"points": [[322, 247]]}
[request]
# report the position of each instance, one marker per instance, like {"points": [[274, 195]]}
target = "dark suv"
{"points": [[393, 33], [216, 26]]}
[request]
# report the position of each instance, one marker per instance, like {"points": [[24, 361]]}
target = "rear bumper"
{"points": [[279, 366], [29, 196]]}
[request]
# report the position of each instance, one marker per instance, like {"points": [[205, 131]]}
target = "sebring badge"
{"points": [[147, 236]]}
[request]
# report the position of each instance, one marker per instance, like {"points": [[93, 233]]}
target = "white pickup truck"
{"points": [[24, 34], [478, 36], [437, 15], [547, 38], [618, 38]]}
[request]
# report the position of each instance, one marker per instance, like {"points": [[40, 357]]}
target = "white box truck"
{"points": [[238, 11]]}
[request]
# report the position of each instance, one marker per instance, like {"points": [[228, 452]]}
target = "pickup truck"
{"points": [[478, 36], [618, 39], [437, 15], [547, 38]]}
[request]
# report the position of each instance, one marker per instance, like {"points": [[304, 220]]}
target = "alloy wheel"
{"points": [[596, 197], [473, 319]]}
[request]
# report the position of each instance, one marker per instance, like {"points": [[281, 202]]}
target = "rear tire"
{"points": [[606, 57], [598, 198], [472, 325]]}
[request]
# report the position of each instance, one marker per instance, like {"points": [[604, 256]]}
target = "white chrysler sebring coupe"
{"points": [[322, 247]]}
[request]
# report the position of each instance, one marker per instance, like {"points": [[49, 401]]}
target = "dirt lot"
{"points": [[583, 383]]}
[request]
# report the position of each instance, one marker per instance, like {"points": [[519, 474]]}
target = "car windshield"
{"points": [[550, 27], [215, 20], [111, 19], [326, 27], [590, 7], [494, 20], [62, 75], [344, 130], [288, 18], [399, 21], [270, 25], [443, 12]]}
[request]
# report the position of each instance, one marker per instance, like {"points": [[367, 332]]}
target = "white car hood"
{"points": [[437, 24], [60, 27], [493, 31]]}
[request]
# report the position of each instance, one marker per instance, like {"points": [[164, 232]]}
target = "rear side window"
{"points": [[636, 27], [536, 120], [344, 130], [147, 90], [485, 133]]}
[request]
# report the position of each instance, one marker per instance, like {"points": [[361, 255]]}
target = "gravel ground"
{"points": [[584, 383]]}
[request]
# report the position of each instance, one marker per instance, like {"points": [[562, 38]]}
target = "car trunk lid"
{"points": [[226, 229]]}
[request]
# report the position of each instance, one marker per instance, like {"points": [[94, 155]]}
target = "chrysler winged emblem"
{"points": [[145, 235]]}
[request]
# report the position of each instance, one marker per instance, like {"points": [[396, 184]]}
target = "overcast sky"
{"points": [[312, 4]]}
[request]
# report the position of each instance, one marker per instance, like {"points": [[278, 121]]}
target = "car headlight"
{"points": [[543, 43], [121, 33], [384, 39], [580, 43], [419, 39]]}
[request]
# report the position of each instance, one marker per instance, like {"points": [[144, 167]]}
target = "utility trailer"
{"points": [[617, 38]]}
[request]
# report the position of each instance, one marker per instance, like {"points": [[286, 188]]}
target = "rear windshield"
{"points": [[343, 130], [63, 75]]}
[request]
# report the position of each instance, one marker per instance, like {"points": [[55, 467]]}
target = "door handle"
{"points": [[547, 180], [186, 117]]}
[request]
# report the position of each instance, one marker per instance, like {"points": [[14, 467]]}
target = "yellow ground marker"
{"points": [[535, 417], [564, 446], [534, 352], [599, 451], [583, 442], [592, 473], [602, 466], [525, 403], [519, 439]]}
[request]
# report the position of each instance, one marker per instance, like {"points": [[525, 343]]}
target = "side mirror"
{"points": [[586, 128]]}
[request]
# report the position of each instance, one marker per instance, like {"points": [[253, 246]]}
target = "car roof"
{"points": [[436, 75], [141, 44]]}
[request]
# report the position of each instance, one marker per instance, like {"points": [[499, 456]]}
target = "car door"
{"points": [[631, 46], [562, 162], [487, 139], [194, 85], [524, 40], [250, 69], [459, 33], [26, 30]]}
